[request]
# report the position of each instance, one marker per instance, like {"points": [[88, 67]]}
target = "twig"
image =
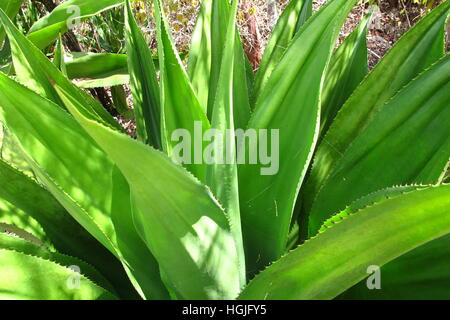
{"points": [[406, 13], [373, 52]]}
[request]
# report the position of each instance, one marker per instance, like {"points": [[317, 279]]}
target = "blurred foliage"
{"points": [[104, 32], [30, 12]]}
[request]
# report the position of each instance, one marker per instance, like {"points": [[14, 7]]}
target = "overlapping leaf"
{"points": [[289, 103], [181, 109], [82, 65], [407, 141], [64, 16], [30, 267], [199, 61], [293, 17], [221, 176], [327, 265], [348, 66], [220, 15], [34, 70], [94, 194], [26, 205], [171, 206], [422, 273], [11, 8], [144, 84], [422, 45]]}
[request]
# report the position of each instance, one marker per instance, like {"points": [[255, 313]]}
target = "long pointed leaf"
{"points": [[222, 178], [289, 103], [56, 158], [199, 61], [38, 73], [171, 206], [11, 8], [220, 14], [422, 273], [26, 205], [293, 17], [408, 141], [327, 265], [9, 242], [348, 67], [47, 29], [25, 275], [144, 85], [180, 106], [422, 45]]}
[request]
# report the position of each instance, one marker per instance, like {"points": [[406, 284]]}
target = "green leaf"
{"points": [[34, 70], [119, 97], [94, 70], [47, 29], [144, 84], [26, 205], [368, 200], [81, 65], [27, 268], [181, 110], [422, 45], [220, 16], [13, 155], [408, 141], [11, 8], [58, 57], [171, 206], [21, 233], [107, 81], [289, 103], [289, 23], [221, 176], [205, 55], [10, 242], [327, 265], [199, 59], [348, 67], [94, 194], [422, 273]]}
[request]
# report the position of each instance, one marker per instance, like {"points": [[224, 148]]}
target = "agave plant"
{"points": [[89, 213]]}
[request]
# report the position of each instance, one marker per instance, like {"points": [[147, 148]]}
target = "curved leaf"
{"points": [[289, 103], [95, 65], [11, 8], [348, 67], [26, 205], [181, 110], [293, 17], [408, 141], [94, 194], [222, 178], [144, 84], [8, 242], [326, 265], [422, 273], [34, 70], [171, 206], [25, 277], [416, 50], [47, 29]]}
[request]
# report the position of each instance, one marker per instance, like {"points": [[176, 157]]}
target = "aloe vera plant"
{"points": [[86, 212]]}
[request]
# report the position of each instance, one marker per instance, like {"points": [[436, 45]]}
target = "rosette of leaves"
{"points": [[362, 163]]}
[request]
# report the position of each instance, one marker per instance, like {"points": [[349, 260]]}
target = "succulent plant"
{"points": [[359, 184]]}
